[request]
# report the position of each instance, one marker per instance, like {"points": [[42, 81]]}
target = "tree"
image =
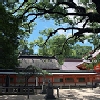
{"points": [[13, 35], [25, 48], [32, 70], [94, 39], [8, 38], [78, 51], [59, 12], [52, 48]]}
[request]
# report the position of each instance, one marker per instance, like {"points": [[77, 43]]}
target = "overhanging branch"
{"points": [[79, 33]]}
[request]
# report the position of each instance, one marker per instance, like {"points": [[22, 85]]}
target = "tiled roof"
{"points": [[42, 63], [73, 60], [93, 55], [48, 62], [70, 66], [88, 61], [96, 53], [36, 57], [52, 71]]}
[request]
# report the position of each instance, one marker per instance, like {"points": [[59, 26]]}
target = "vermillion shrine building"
{"points": [[60, 75]]}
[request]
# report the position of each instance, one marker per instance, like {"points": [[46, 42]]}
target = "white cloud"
{"points": [[71, 11], [87, 34], [67, 34], [80, 25], [61, 32]]}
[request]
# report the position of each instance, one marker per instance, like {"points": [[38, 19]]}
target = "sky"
{"points": [[45, 24]]}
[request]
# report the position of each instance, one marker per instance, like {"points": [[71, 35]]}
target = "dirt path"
{"points": [[64, 94]]}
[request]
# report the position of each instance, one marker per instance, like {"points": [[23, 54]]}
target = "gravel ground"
{"points": [[64, 94]]}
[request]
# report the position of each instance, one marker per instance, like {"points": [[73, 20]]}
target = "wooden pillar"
{"points": [[14, 80], [64, 79], [89, 78], [86, 79], [75, 80], [2, 79], [52, 79], [92, 83], [39, 80], [36, 81]]}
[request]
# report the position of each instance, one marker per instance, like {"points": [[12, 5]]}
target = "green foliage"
{"points": [[27, 50], [9, 31], [95, 61], [34, 70], [78, 51], [13, 33], [94, 39], [53, 46]]}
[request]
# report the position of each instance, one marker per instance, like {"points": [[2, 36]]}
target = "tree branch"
{"points": [[50, 11], [51, 34], [22, 6], [98, 47], [19, 7], [79, 33]]}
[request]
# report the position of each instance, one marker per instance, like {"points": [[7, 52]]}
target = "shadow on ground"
{"points": [[77, 94]]}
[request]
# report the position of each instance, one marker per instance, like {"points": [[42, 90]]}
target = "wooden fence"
{"points": [[17, 91]]}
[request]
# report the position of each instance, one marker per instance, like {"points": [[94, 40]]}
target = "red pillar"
{"points": [[52, 80], [64, 79]]}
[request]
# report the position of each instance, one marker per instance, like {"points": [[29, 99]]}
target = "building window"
{"points": [[69, 80], [81, 79], [11, 79], [61, 79], [58, 79]]}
